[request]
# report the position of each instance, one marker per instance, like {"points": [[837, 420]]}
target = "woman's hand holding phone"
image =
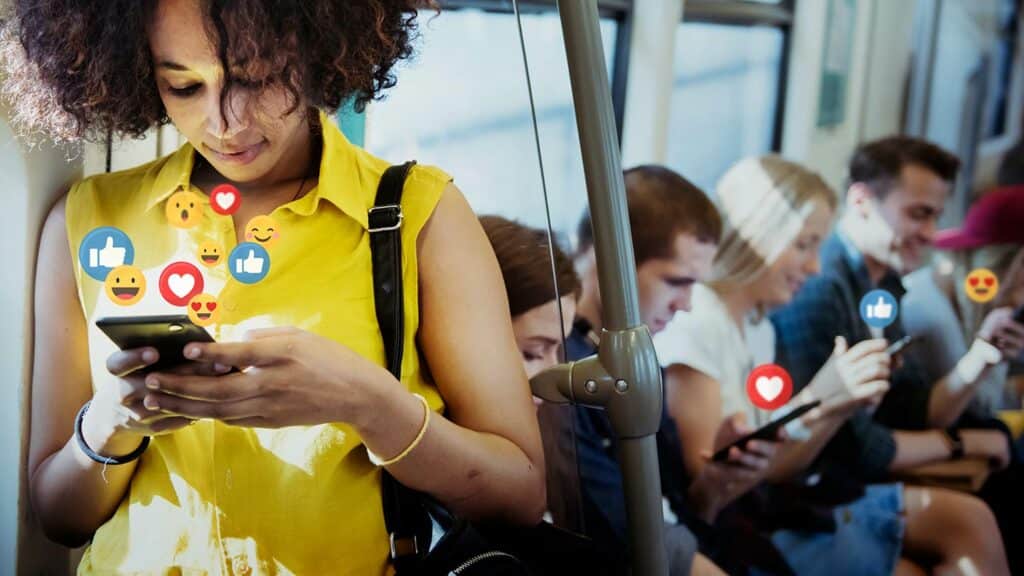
{"points": [[117, 419], [852, 378], [1004, 330], [290, 377], [721, 482]]}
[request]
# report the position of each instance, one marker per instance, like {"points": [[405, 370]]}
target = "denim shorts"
{"points": [[867, 540]]}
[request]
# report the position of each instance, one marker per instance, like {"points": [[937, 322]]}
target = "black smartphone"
{"points": [[168, 334], [900, 345], [767, 432], [1018, 316]]}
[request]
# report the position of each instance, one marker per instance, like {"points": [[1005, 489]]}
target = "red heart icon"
{"points": [[211, 306], [225, 199], [990, 281], [196, 306], [179, 282], [973, 280]]}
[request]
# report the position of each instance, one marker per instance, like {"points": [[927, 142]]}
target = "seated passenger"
{"points": [[540, 322], [898, 188], [775, 215], [947, 318], [270, 469], [675, 230]]}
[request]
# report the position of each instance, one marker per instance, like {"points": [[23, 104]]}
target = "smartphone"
{"points": [[168, 334], [767, 432], [1018, 316], [900, 345]]}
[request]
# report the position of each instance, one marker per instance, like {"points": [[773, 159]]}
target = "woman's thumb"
{"points": [[840, 347]]}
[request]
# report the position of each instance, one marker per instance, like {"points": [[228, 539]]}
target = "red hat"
{"points": [[995, 218]]}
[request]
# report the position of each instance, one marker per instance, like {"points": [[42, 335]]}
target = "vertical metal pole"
{"points": [[638, 457]]}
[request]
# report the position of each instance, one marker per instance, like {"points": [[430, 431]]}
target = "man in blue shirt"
{"points": [[898, 189], [675, 230]]}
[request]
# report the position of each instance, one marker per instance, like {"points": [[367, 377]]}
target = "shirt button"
{"points": [[239, 565], [847, 516]]}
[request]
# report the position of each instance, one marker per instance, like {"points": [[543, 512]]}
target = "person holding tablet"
{"points": [[277, 468]]}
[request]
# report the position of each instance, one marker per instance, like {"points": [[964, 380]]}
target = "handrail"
{"points": [[624, 377]]}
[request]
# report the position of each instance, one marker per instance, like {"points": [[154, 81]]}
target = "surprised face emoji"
{"points": [[125, 285], [184, 209], [202, 309], [981, 285]]}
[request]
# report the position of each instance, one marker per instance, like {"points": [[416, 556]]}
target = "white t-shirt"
{"points": [[708, 340]]}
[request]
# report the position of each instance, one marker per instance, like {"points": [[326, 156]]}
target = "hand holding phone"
{"points": [[168, 334], [767, 432], [899, 346]]}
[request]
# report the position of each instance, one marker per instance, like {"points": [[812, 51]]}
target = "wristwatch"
{"points": [[956, 444]]}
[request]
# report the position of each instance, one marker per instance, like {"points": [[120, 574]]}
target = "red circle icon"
{"points": [[225, 199], [179, 282], [769, 386]]}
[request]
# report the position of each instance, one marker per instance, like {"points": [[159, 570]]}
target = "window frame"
{"points": [[619, 10], [743, 13]]}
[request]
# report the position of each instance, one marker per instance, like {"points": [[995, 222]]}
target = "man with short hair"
{"points": [[898, 189], [675, 231]]}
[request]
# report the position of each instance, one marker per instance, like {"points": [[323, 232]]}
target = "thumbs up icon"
{"points": [[109, 256], [249, 262], [880, 309]]}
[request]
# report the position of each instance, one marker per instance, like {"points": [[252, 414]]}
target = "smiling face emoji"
{"points": [[125, 285], [202, 309], [262, 230], [981, 285], [184, 209], [210, 253]]}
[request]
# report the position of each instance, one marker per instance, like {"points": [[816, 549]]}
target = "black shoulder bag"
{"points": [[409, 516]]}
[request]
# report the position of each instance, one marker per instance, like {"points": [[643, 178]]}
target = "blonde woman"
{"points": [[776, 214]]}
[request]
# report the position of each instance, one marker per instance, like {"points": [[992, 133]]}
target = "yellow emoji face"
{"points": [[981, 285], [210, 253], [202, 309], [262, 230], [184, 209], [125, 285]]}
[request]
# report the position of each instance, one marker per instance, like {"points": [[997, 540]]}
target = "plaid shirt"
{"points": [[829, 306]]}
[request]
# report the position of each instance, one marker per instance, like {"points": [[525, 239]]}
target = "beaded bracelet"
{"points": [[377, 460], [105, 460]]}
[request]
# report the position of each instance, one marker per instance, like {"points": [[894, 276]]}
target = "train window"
{"points": [[463, 105], [1004, 51], [724, 97]]}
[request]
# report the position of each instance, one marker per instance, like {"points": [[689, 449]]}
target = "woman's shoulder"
{"points": [[116, 186]]}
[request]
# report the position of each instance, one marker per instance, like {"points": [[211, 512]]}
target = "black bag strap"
{"points": [[405, 519]]}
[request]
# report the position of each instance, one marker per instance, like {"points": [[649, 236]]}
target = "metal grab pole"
{"points": [[626, 351]]}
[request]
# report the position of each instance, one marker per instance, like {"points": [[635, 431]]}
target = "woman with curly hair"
{"points": [[274, 467]]}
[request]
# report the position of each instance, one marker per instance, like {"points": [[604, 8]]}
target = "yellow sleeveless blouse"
{"points": [[218, 499]]}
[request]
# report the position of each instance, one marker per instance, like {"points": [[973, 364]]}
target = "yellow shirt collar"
{"points": [[341, 177]]}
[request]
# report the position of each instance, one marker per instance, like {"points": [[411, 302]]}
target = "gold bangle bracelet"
{"points": [[376, 460]]}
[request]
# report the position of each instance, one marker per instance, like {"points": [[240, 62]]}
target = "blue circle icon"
{"points": [[104, 249], [879, 308], [249, 262]]}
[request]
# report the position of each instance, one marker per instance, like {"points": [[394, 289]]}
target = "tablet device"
{"points": [[767, 432], [168, 334]]}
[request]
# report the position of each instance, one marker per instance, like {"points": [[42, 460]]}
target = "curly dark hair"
{"points": [[82, 69]]}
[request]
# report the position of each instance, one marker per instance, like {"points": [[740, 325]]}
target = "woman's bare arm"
{"points": [[485, 459], [67, 489]]}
